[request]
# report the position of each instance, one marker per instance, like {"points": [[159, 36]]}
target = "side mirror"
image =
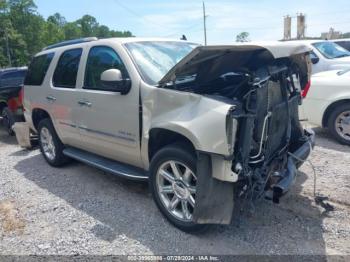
{"points": [[112, 80], [315, 60]]}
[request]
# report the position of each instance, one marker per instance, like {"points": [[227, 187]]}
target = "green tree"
{"points": [[88, 25], [72, 31], [242, 37], [24, 32], [29, 24], [57, 19], [103, 31]]}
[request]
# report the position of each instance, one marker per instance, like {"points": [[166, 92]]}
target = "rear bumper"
{"points": [[22, 132], [295, 160]]}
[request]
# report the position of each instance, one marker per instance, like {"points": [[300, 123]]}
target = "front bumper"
{"points": [[295, 160]]}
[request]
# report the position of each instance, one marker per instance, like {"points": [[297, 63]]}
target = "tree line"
{"points": [[24, 32]]}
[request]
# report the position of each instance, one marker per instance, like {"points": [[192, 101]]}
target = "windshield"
{"points": [[155, 59], [331, 50]]}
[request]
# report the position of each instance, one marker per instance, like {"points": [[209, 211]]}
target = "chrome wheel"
{"points": [[47, 143], [342, 125], [176, 184]]}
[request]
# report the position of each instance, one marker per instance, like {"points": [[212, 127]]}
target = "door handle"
{"points": [[84, 103], [51, 98]]}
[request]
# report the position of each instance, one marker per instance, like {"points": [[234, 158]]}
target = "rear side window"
{"points": [[67, 69], [100, 59], [37, 69]]}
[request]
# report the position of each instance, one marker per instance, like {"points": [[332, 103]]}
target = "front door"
{"points": [[108, 121]]}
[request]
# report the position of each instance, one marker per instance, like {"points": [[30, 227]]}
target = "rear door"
{"points": [[63, 96], [108, 121]]}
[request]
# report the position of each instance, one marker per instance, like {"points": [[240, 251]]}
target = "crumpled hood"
{"points": [[236, 56]]}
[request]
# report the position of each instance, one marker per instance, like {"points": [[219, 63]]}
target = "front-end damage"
{"points": [[239, 107]]}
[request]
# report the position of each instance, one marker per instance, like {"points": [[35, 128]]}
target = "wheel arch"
{"points": [[330, 108], [39, 114], [161, 137]]}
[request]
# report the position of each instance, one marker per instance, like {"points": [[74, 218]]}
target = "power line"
{"points": [[138, 15]]}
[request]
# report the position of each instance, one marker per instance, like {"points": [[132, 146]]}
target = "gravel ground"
{"points": [[81, 210]]}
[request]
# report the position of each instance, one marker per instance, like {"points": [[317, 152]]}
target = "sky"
{"points": [[262, 19]]}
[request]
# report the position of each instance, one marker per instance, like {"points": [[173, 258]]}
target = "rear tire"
{"points": [[50, 145], [8, 120], [176, 188], [339, 123]]}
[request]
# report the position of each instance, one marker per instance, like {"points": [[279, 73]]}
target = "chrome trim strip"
{"points": [[107, 134], [67, 124]]}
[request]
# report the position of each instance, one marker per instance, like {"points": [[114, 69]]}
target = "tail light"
{"points": [[21, 96], [306, 89]]}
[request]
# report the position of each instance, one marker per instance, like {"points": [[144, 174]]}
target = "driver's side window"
{"points": [[100, 59]]}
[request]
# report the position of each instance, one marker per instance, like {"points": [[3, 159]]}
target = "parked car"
{"points": [[345, 43], [11, 108], [194, 121], [327, 55], [327, 103]]}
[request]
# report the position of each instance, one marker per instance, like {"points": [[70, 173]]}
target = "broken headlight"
{"points": [[231, 130]]}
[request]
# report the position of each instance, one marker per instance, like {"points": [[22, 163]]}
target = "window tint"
{"points": [[344, 44], [67, 69], [101, 58], [37, 69], [13, 79]]}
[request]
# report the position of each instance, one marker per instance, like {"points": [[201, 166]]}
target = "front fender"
{"points": [[199, 118]]}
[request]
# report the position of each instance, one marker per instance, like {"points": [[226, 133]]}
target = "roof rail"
{"points": [[71, 42]]}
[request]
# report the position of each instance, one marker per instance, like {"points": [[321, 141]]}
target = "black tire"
{"points": [[8, 120], [331, 124], [59, 158], [175, 152]]}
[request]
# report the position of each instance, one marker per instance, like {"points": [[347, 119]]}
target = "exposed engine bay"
{"points": [[265, 92]]}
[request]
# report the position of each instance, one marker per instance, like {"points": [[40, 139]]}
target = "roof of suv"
{"points": [[86, 41], [278, 49]]}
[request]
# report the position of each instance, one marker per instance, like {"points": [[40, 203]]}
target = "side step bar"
{"points": [[107, 165]]}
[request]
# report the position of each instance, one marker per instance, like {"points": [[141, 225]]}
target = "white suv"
{"points": [[192, 120]]}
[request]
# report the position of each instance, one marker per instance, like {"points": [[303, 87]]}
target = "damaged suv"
{"points": [[193, 120]]}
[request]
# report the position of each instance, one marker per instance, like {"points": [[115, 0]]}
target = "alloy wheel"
{"points": [[342, 125], [176, 185], [47, 143]]}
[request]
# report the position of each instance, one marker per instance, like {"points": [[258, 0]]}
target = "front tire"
{"points": [[339, 123], [50, 145], [173, 185]]}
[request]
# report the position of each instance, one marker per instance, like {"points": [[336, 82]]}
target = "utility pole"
{"points": [[205, 25], [8, 48]]}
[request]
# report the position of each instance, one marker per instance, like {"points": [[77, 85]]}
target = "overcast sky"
{"points": [[263, 19]]}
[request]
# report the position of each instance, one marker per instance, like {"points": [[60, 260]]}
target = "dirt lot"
{"points": [[81, 210]]}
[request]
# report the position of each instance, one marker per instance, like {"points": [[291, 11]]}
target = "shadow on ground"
{"points": [[125, 207], [325, 140]]}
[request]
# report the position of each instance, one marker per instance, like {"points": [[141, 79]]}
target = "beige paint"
{"points": [[199, 118]]}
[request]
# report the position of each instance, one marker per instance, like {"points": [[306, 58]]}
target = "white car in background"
{"points": [[344, 42], [327, 103], [327, 55]]}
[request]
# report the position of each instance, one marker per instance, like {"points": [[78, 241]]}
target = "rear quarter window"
{"points": [[37, 69]]}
